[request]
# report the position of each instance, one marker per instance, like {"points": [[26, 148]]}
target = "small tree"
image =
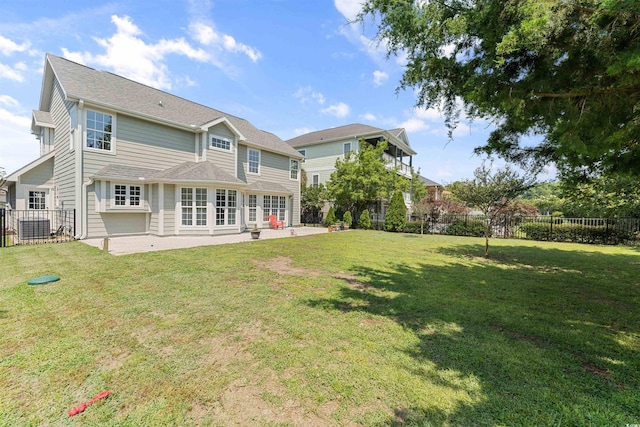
{"points": [[421, 209], [492, 194], [396, 217], [312, 201], [365, 220], [331, 217], [347, 219]]}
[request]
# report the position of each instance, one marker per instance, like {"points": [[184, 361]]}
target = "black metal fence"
{"points": [[607, 231], [18, 227]]}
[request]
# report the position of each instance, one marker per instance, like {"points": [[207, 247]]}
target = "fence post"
{"points": [[551, 229], [3, 231]]}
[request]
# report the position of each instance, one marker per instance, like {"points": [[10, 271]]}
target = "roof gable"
{"points": [[111, 91]]}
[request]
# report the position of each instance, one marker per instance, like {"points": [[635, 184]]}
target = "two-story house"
{"points": [[322, 148], [131, 159]]}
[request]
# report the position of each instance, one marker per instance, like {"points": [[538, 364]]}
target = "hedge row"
{"points": [[576, 233]]}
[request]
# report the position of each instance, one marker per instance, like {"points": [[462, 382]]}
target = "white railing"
{"points": [[403, 169]]}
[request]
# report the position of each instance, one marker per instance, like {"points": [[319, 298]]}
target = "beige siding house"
{"points": [[131, 159], [322, 148]]}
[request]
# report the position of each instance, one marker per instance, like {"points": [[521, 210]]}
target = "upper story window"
{"points": [[293, 167], [304, 153], [99, 131], [127, 195], [346, 148], [254, 161], [220, 142]]}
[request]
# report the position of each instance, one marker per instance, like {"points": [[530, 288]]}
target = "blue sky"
{"points": [[287, 66]]}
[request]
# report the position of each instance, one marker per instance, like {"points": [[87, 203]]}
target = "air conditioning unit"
{"points": [[29, 229]]}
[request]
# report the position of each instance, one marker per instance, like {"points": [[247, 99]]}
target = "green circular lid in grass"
{"points": [[43, 280]]}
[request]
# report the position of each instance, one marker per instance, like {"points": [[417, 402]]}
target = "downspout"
{"points": [[84, 212]]}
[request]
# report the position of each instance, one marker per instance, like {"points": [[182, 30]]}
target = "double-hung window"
{"points": [[253, 161], [193, 202], [37, 199], [346, 148], [315, 179], [226, 203], [99, 131], [127, 195], [293, 167]]}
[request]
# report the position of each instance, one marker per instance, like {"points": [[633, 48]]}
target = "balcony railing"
{"points": [[403, 168]]}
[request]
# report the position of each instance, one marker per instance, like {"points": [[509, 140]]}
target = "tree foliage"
{"points": [[312, 200], [492, 193], [362, 179], [604, 196], [566, 70], [396, 217]]}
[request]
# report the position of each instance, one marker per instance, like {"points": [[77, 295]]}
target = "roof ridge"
{"points": [[148, 86]]}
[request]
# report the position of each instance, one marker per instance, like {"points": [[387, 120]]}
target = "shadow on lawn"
{"points": [[547, 333]]}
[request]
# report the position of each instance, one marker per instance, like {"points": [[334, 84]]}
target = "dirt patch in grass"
{"points": [[283, 265]]}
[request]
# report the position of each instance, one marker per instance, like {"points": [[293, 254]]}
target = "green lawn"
{"points": [[350, 328]]}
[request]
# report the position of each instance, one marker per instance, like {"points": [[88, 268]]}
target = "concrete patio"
{"points": [[123, 245]]}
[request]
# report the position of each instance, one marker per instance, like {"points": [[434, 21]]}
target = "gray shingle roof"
{"points": [[355, 130], [124, 95], [428, 183], [347, 131], [43, 118], [271, 187], [114, 171], [198, 171], [186, 171]]}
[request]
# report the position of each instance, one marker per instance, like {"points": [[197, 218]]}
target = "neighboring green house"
{"points": [[131, 159], [322, 148]]}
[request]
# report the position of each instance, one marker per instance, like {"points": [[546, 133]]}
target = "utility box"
{"points": [[29, 229]]}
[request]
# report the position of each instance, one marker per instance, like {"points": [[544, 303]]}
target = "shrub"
{"points": [[462, 227], [365, 220], [413, 227], [577, 233], [396, 217], [347, 218], [331, 217]]}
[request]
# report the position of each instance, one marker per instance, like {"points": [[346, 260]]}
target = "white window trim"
{"points": [[303, 152], [315, 184], [249, 150], [221, 138], [127, 205], [297, 178], [46, 198], [114, 127], [226, 208], [193, 208]]}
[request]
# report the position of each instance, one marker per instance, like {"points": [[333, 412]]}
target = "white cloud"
{"points": [[414, 125], [8, 101], [12, 73], [7, 47], [379, 77], [348, 8], [16, 138], [129, 55], [206, 34], [370, 117], [307, 94], [427, 113], [339, 110]]}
